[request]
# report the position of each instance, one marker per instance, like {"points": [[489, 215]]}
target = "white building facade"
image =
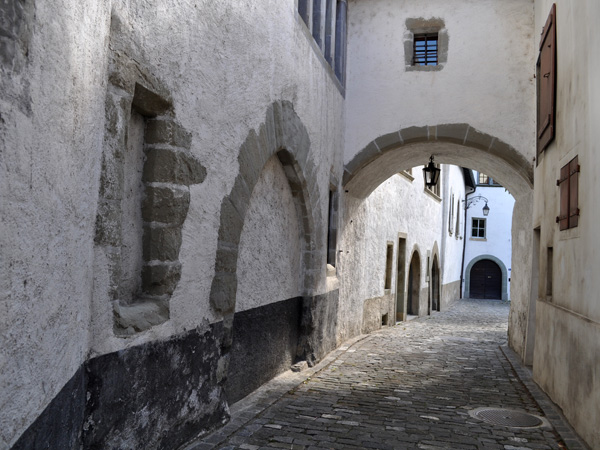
{"points": [[488, 249], [215, 178]]}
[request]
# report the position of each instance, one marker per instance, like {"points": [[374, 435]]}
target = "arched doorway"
{"points": [[435, 285], [414, 285], [486, 280]]}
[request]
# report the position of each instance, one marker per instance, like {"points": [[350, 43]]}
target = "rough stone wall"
{"points": [[567, 325], [63, 61], [52, 90]]}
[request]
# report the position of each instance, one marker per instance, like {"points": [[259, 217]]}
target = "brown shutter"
{"points": [[546, 82], [563, 218], [574, 192]]}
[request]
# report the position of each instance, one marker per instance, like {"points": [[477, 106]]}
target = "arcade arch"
{"points": [[465, 146]]}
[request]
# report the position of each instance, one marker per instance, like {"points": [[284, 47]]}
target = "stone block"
{"points": [[160, 131], [223, 291], [265, 149], [388, 141], [362, 158], [139, 316], [511, 156], [477, 139], [160, 279], [452, 132], [168, 166], [270, 129], [227, 257], [161, 243], [148, 103], [240, 196], [250, 161], [414, 134], [230, 229], [165, 205]]}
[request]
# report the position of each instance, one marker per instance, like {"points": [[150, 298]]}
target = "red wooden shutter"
{"points": [[546, 81], [574, 192], [563, 218]]}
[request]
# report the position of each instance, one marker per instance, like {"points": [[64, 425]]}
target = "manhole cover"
{"points": [[507, 417]]}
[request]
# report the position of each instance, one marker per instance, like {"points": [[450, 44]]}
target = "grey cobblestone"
{"points": [[410, 386]]}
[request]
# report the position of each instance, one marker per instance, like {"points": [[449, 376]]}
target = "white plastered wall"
{"points": [[487, 81], [452, 242], [223, 63], [498, 240], [398, 207], [566, 360]]}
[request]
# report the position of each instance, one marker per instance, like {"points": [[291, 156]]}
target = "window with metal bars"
{"points": [[425, 49]]}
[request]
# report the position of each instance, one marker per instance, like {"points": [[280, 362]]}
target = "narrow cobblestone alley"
{"points": [[409, 386]]}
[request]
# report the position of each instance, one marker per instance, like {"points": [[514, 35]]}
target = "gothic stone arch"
{"points": [[282, 134], [502, 268]]}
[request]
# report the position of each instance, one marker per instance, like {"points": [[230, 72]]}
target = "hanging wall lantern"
{"points": [[431, 173], [486, 209]]}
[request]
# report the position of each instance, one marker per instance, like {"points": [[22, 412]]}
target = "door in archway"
{"points": [[414, 285], [486, 280], [435, 285]]}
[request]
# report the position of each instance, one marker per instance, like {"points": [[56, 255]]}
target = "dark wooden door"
{"points": [[486, 280]]}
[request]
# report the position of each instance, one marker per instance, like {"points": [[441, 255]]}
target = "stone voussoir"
{"points": [[362, 158], [227, 257], [477, 139], [230, 229], [222, 292], [389, 141], [452, 132], [411, 135]]}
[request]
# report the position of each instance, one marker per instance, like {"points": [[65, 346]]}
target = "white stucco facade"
{"points": [[263, 136], [497, 243]]}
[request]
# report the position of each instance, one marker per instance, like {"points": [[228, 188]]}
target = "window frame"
{"points": [[426, 38], [479, 227]]}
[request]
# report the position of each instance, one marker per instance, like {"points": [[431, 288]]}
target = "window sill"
{"points": [[433, 195], [331, 272], [478, 239], [436, 68]]}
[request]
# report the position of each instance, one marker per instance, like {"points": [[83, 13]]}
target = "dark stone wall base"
{"points": [[265, 340], [60, 424], [319, 326], [158, 395]]}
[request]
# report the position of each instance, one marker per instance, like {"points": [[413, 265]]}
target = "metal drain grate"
{"points": [[507, 417]]}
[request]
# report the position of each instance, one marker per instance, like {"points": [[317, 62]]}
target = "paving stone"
{"points": [[409, 386]]}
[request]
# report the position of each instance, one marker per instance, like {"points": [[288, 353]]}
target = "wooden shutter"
{"points": [[563, 218], [546, 82], [569, 195], [574, 192]]}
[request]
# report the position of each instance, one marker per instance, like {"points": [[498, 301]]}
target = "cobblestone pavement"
{"points": [[408, 386]]}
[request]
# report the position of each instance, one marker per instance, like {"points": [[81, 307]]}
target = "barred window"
{"points": [[425, 49]]}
